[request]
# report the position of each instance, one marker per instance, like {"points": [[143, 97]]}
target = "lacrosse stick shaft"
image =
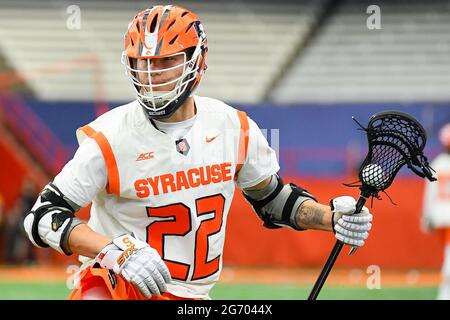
{"points": [[334, 253]]}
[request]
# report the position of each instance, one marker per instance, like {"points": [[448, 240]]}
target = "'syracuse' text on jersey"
{"points": [[173, 193]]}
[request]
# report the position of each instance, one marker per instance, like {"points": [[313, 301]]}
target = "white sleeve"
{"points": [[85, 175], [436, 206], [261, 161], [430, 196]]}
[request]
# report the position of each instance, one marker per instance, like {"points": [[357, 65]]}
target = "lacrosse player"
{"points": [[161, 173], [436, 209]]}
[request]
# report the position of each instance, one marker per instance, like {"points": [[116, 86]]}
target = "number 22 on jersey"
{"points": [[181, 225]]}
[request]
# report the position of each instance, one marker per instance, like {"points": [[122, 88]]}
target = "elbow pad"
{"points": [[277, 204], [51, 220]]}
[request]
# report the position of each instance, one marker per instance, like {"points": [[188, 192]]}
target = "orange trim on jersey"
{"points": [[113, 184], [243, 141], [111, 286]]}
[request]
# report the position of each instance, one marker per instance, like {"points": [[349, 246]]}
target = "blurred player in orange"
{"points": [[436, 209], [161, 173]]}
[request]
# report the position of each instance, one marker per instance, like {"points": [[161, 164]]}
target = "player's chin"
{"points": [[164, 88]]}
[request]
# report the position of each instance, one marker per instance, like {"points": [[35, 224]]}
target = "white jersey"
{"points": [[437, 193], [174, 194]]}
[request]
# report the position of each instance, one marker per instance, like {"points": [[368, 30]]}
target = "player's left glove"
{"points": [[350, 228], [137, 263]]}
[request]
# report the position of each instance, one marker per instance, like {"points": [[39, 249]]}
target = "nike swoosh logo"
{"points": [[208, 140]]}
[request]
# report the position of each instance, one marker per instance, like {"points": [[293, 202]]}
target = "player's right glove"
{"points": [[348, 227], [137, 263]]}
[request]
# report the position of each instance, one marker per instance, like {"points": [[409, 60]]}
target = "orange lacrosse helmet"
{"points": [[162, 32], [444, 136]]}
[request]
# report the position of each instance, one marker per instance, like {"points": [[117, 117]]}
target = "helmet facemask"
{"points": [[159, 98]]}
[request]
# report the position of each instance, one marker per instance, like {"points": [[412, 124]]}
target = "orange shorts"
{"points": [[113, 287]]}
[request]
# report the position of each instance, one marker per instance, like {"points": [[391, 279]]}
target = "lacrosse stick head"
{"points": [[395, 139]]}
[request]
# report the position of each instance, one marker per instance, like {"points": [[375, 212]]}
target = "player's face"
{"points": [[161, 73]]}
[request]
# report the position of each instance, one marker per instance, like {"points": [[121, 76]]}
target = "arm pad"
{"points": [[277, 204], [51, 220]]}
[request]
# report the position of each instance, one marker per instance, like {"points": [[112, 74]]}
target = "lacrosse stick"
{"points": [[395, 139]]}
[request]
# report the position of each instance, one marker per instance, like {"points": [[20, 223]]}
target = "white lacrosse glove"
{"points": [[137, 263], [350, 228]]}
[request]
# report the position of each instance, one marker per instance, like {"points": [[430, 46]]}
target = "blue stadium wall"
{"points": [[314, 140]]}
